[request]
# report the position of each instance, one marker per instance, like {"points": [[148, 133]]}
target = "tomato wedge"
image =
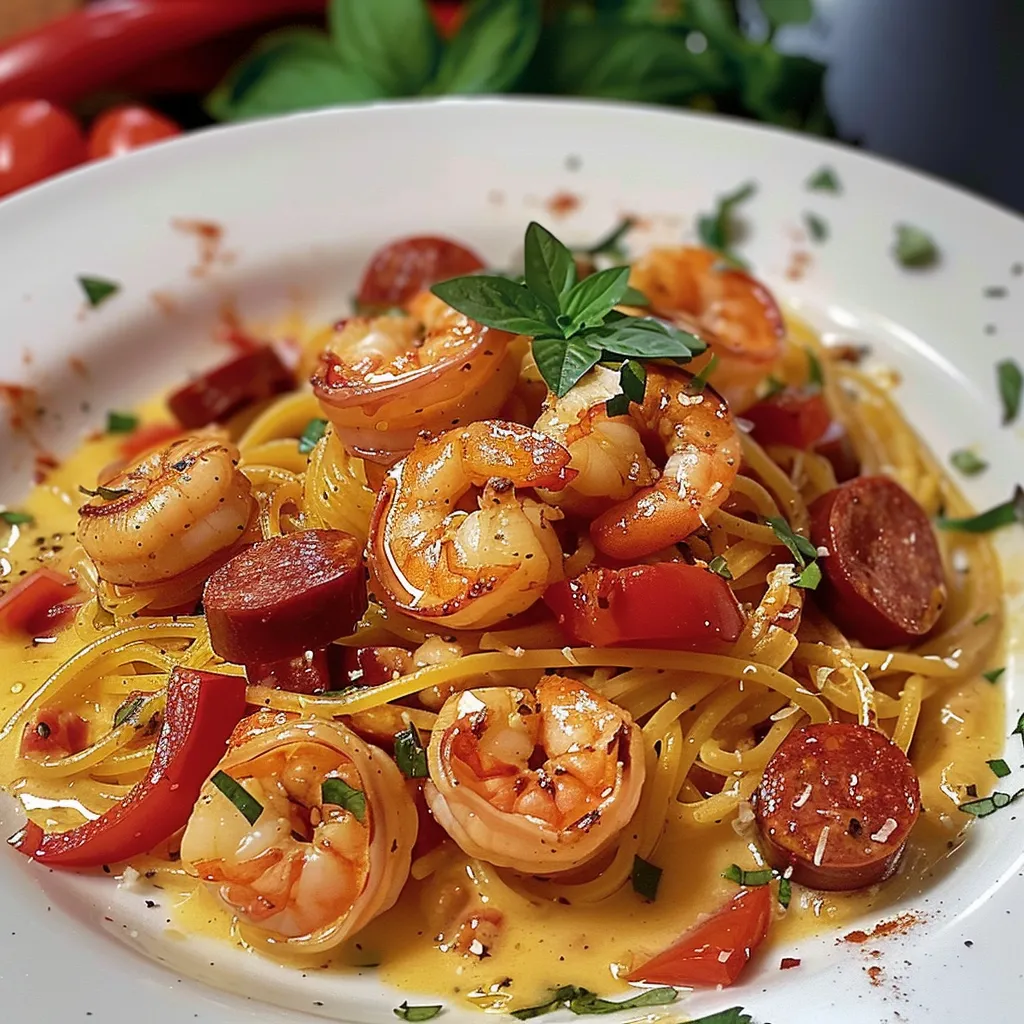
{"points": [[795, 418], [670, 604], [403, 268], [38, 605], [716, 950]]}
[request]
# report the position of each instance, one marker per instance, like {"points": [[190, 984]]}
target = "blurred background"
{"points": [[936, 84]]}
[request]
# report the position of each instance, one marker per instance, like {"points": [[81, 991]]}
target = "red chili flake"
{"points": [[789, 962], [563, 203], [78, 366], [875, 974], [210, 236], [897, 926]]}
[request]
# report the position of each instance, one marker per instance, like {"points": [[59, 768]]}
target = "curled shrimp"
{"points": [[309, 871], [384, 380], [468, 569], [608, 453], [734, 313], [169, 512], [703, 448], [540, 782]]}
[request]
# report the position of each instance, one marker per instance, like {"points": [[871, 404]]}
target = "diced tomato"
{"points": [[55, 731], [795, 418], [669, 604], [147, 436], [716, 950], [38, 605]]}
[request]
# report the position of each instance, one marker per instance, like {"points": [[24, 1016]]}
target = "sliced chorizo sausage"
{"points": [[884, 581], [836, 804], [226, 389], [402, 268], [286, 596]]}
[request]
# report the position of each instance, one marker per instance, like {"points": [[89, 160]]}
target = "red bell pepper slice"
{"points": [[37, 605], [202, 709]]}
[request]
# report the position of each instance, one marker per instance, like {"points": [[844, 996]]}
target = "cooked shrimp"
{"points": [[734, 313], [703, 448], [607, 452], [488, 794], [308, 872], [464, 569], [384, 380], [169, 512]]}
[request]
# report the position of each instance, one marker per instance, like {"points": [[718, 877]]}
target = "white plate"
{"points": [[303, 202]]}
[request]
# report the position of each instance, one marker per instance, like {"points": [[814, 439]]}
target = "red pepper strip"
{"points": [[71, 56], [202, 710], [37, 605]]}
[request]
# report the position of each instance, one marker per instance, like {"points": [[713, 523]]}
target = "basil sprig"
{"points": [[583, 1001], [803, 551], [573, 323]]}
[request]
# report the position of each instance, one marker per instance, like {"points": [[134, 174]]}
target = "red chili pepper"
{"points": [[38, 605], [202, 709], [107, 40]]}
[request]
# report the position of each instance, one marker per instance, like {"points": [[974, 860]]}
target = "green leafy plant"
{"points": [[697, 53]]}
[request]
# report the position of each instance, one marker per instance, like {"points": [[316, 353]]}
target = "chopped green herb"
{"points": [[97, 290], [248, 806], [815, 374], [16, 518], [315, 429], [734, 1015], [996, 291], [1000, 769], [799, 547], [121, 422], [339, 793], [824, 180], [410, 756], [127, 711], [785, 892], [774, 387], [633, 381], [417, 1013], [983, 617], [967, 462], [559, 998], [817, 227], [611, 244], [736, 874], [1019, 731], [914, 247], [809, 577], [1008, 512], [700, 381], [106, 493], [719, 565], [993, 674], [582, 1001], [990, 804], [1011, 382], [646, 878], [343, 692], [717, 231]]}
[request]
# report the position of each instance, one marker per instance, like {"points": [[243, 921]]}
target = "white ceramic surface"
{"points": [[303, 202]]}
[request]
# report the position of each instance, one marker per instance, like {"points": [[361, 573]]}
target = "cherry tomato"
{"points": [[122, 129], [55, 731], [798, 419], [669, 604], [717, 950], [37, 140], [398, 271], [38, 605]]}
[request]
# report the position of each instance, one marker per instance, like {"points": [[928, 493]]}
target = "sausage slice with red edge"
{"points": [[884, 581], [285, 596], [226, 389], [836, 804]]}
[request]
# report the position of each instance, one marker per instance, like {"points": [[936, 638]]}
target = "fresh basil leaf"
{"points": [[734, 873], [824, 179], [987, 805], [1008, 512], [248, 806], [967, 462], [586, 1002], [634, 297], [914, 247], [559, 997], [611, 244], [550, 270], [646, 878], [417, 1013], [785, 892], [562, 362], [817, 227], [700, 381], [410, 755], [339, 793], [394, 42], [617, 405], [98, 290], [498, 302], [591, 299], [815, 373], [645, 338], [296, 69], [311, 435], [633, 380], [993, 674], [809, 577], [492, 48], [1000, 769], [13, 518], [787, 12], [983, 617], [1019, 730], [121, 422], [1011, 382], [128, 710], [106, 493], [716, 229], [734, 1015], [783, 89], [720, 566], [799, 547]]}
